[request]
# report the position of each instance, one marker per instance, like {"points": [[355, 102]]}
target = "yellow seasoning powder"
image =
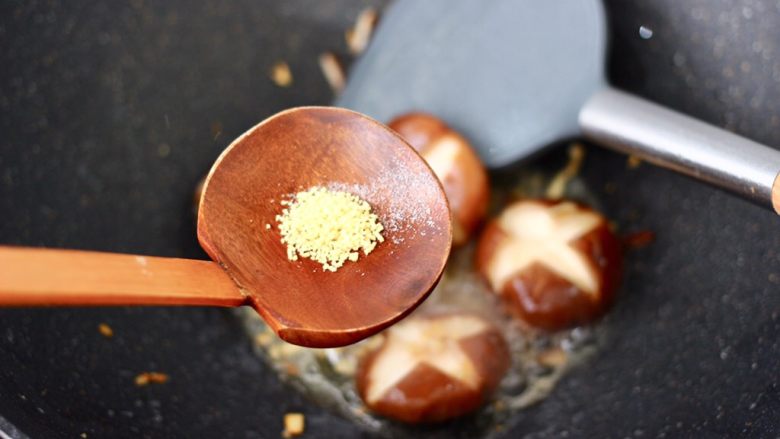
{"points": [[329, 227]]}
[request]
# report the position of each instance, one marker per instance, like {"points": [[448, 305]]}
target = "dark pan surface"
{"points": [[110, 113]]}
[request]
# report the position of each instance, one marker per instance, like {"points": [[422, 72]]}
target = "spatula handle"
{"points": [[41, 277], [673, 140]]}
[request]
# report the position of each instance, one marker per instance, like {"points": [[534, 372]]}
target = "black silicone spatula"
{"points": [[517, 75]]}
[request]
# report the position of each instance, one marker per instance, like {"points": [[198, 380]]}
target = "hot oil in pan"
{"points": [[539, 359]]}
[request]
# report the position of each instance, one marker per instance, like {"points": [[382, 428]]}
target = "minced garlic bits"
{"points": [[329, 227]]}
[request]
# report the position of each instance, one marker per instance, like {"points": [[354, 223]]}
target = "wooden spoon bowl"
{"points": [[337, 148], [292, 151]]}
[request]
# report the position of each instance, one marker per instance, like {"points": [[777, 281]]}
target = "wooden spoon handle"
{"points": [[40, 277]]}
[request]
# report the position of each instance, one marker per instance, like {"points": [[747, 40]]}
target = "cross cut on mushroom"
{"points": [[556, 263], [542, 234], [419, 342], [433, 367]]}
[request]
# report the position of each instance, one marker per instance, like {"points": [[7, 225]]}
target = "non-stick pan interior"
{"points": [[110, 113]]}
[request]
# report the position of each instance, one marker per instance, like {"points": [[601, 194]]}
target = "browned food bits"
{"points": [[432, 368], [456, 165], [556, 264], [294, 425], [639, 239], [105, 330], [359, 35], [146, 378], [281, 75], [333, 72]]}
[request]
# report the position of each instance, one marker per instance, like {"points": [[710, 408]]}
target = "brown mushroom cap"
{"points": [[549, 283], [419, 129], [456, 164], [434, 367]]}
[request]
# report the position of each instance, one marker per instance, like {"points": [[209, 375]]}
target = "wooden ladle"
{"points": [[291, 151]]}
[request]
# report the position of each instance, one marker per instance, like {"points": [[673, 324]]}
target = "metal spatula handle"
{"points": [[673, 140]]}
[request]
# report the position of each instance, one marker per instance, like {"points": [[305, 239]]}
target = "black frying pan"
{"points": [[110, 113]]}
